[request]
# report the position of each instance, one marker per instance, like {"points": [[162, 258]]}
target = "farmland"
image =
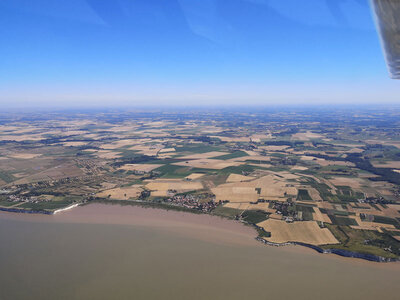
{"points": [[298, 176]]}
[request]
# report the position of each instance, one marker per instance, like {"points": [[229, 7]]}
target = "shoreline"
{"points": [[173, 208], [66, 208], [340, 252], [25, 211], [42, 212]]}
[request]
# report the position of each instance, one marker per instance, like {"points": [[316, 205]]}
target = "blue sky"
{"points": [[170, 52]]}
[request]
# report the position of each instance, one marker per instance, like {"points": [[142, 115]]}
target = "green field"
{"points": [[338, 220], [7, 177], [355, 240], [6, 203], [303, 195], [226, 212], [254, 216], [235, 154], [197, 148], [172, 171]]}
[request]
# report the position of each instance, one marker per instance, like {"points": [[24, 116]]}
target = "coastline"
{"points": [[340, 252], [66, 208], [43, 211], [25, 211], [200, 226], [167, 209]]}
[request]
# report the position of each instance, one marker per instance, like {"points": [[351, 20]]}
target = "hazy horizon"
{"points": [[217, 107]]}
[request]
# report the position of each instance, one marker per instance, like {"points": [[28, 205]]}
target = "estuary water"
{"points": [[103, 251]]}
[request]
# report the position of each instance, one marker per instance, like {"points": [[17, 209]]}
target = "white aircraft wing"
{"points": [[387, 18]]}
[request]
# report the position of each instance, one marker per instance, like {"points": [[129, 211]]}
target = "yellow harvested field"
{"points": [[371, 211], [354, 183], [314, 194], [156, 123], [14, 129], [19, 175], [372, 225], [273, 186], [71, 132], [235, 194], [121, 193], [122, 128], [274, 148], [238, 178], [299, 168], [140, 167], [388, 164], [268, 187], [394, 206], [355, 150], [151, 150], [272, 198], [262, 165], [240, 206], [118, 144], [252, 153], [261, 206], [206, 163], [21, 138], [322, 162], [258, 137], [24, 155], [306, 136], [286, 175], [90, 150], [107, 154], [194, 176], [160, 187], [167, 150], [324, 205], [390, 212], [361, 208], [319, 216], [108, 185], [275, 216], [143, 145], [306, 232], [306, 157], [165, 155], [92, 136]]}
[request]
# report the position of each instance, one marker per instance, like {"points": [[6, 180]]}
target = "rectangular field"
{"points": [[306, 232]]}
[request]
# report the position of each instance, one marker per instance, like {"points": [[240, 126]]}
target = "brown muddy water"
{"points": [[118, 252]]}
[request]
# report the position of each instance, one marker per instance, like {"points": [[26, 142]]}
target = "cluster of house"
{"points": [[19, 198], [375, 200], [193, 202]]}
